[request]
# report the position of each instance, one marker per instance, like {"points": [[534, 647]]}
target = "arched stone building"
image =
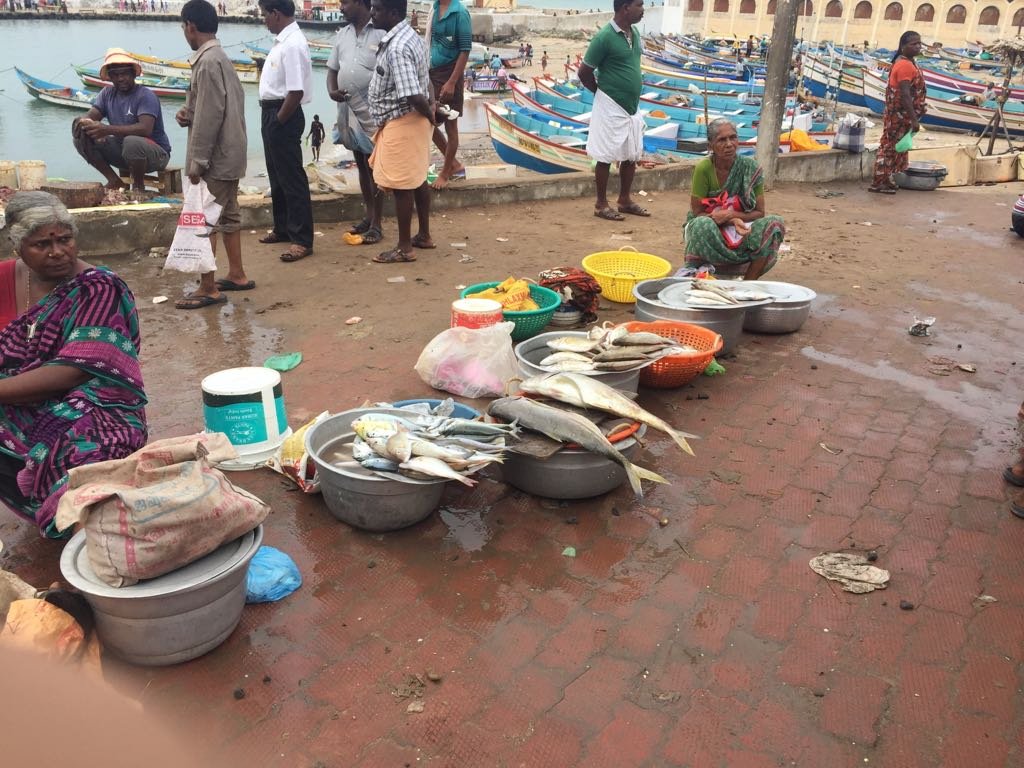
{"points": [[952, 22]]}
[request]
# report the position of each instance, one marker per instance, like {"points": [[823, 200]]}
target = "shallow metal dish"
{"points": [[173, 618], [529, 353], [727, 322], [788, 313]]}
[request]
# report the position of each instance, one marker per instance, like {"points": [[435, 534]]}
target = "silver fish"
{"points": [[585, 392], [617, 365], [641, 338], [399, 446], [428, 465], [446, 453], [573, 344], [559, 357], [570, 366], [379, 464], [621, 353], [569, 427]]}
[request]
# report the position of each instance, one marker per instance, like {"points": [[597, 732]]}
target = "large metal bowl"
{"points": [[529, 353], [786, 314], [173, 618], [726, 322], [359, 497], [569, 474]]}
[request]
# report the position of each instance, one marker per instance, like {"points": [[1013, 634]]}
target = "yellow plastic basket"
{"points": [[618, 271]]}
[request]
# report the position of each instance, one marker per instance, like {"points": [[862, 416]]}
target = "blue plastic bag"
{"points": [[272, 575]]}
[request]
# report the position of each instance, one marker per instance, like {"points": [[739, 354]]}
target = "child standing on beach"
{"points": [[316, 136]]}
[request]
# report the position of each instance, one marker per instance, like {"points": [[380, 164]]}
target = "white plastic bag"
{"points": [[472, 362], [191, 250]]}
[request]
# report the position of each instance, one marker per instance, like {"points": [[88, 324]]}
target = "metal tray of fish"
{"points": [[676, 295]]}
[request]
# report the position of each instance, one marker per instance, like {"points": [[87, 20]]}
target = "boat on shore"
{"points": [[166, 87], [151, 65], [54, 93]]}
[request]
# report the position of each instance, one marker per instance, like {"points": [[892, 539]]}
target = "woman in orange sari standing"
{"points": [[904, 107]]}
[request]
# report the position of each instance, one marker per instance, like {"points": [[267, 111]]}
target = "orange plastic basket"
{"points": [[676, 370]]}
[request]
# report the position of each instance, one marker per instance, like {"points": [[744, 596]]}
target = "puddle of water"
{"points": [[466, 528], [1007, 314]]}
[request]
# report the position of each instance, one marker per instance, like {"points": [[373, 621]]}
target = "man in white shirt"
{"points": [[285, 85]]}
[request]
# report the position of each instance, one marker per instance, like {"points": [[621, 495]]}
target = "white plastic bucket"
{"points": [[247, 405], [8, 175], [31, 174]]}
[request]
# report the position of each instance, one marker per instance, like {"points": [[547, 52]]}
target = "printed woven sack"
{"points": [[159, 509], [850, 136]]}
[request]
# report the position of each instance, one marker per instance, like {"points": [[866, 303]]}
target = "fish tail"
{"points": [[681, 441], [467, 481], [646, 474], [634, 479]]}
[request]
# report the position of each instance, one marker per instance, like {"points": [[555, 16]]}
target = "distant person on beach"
{"points": [[286, 83], [544, 62], [616, 130], [402, 108], [750, 46], [316, 137], [214, 114], [349, 70], [450, 40], [529, 56], [904, 107], [133, 138]]}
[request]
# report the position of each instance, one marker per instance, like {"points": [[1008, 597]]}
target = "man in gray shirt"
{"points": [[215, 116], [349, 70]]}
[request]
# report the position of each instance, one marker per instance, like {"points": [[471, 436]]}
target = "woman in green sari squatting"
{"points": [[726, 225]]}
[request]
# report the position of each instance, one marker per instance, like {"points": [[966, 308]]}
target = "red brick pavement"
{"points": [[706, 643]]}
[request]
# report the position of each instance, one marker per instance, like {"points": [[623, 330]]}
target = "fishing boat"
{"points": [[53, 93], [952, 114], [681, 81], [828, 80], [477, 81], [259, 53], [151, 65], [167, 87]]}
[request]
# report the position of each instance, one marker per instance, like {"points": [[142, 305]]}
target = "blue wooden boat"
{"points": [[54, 93]]}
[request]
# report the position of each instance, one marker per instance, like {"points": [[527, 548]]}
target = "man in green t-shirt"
{"points": [[611, 71], [450, 34]]}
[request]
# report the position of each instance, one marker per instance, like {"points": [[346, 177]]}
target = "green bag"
{"points": [[906, 143]]}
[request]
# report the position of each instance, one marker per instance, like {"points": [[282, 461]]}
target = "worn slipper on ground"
{"points": [[418, 241], [372, 236], [634, 209], [362, 226], [272, 238], [394, 256], [1013, 479], [882, 190], [296, 253], [192, 301], [609, 214], [230, 285], [1017, 509]]}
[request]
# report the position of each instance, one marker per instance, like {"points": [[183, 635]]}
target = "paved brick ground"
{"points": [[705, 643]]}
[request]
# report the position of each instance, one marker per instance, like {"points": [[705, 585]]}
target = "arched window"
{"points": [[1018, 17], [806, 8], [894, 12], [925, 12], [721, 6], [748, 6], [834, 9], [956, 15], [989, 17], [863, 10], [696, 6], [770, 10]]}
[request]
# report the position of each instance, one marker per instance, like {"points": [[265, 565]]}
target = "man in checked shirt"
{"points": [[403, 109]]}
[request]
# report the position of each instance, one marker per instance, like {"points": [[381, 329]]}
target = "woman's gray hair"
{"points": [[28, 211], [715, 124]]}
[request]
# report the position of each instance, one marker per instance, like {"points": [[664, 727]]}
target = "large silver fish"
{"points": [[569, 427], [585, 392], [428, 465]]}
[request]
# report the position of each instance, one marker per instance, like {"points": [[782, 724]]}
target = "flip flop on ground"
{"points": [[194, 301], [296, 253], [882, 190], [634, 209], [395, 256], [423, 243], [272, 238], [230, 285], [609, 214]]}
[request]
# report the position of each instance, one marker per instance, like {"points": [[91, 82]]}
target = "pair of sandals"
{"points": [[633, 209], [295, 253], [397, 256], [364, 233], [889, 189], [197, 301]]}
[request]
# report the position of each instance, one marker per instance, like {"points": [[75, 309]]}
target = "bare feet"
{"points": [[444, 178]]}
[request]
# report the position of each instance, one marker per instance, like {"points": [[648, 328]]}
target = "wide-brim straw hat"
{"points": [[117, 56]]}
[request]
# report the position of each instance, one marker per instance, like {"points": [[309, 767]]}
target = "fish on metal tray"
{"points": [[561, 357], [641, 338], [621, 353], [569, 428], [573, 344], [428, 465], [584, 391]]}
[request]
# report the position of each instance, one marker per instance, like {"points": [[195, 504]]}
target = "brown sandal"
{"points": [[296, 253], [395, 256], [272, 238]]}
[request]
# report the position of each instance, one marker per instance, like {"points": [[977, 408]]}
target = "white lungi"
{"points": [[615, 136]]}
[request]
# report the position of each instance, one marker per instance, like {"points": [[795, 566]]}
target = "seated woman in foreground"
{"points": [[727, 201], [70, 382]]}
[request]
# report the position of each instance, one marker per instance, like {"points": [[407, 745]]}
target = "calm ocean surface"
{"points": [[33, 130]]}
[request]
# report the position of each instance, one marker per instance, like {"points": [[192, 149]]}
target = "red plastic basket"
{"points": [[677, 370]]}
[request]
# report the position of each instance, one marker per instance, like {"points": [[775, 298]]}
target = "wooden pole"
{"points": [[1000, 101], [773, 104]]}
